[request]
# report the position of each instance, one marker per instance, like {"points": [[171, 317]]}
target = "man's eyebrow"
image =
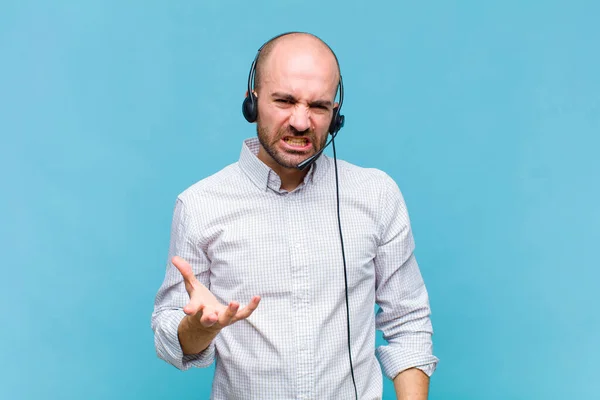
{"points": [[320, 103], [289, 97], [285, 96]]}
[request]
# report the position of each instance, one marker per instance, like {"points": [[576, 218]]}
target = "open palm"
{"points": [[204, 306]]}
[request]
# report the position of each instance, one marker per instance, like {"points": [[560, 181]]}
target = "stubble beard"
{"points": [[280, 157]]}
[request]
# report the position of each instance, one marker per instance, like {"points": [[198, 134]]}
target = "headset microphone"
{"points": [[308, 162]]}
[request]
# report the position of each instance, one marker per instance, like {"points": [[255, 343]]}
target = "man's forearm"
{"points": [[192, 337], [411, 384]]}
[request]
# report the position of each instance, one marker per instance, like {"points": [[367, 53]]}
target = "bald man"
{"points": [[255, 279]]}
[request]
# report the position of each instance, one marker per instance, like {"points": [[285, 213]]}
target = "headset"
{"points": [[250, 112], [250, 104]]}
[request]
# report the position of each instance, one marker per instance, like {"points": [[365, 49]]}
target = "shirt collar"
{"points": [[264, 177]]}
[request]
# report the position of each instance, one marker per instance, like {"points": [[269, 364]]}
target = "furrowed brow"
{"points": [[321, 103], [288, 97], [284, 96]]}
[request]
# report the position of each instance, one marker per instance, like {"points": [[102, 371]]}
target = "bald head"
{"points": [[296, 80], [294, 47]]}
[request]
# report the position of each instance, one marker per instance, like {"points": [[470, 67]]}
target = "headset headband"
{"points": [[250, 105]]}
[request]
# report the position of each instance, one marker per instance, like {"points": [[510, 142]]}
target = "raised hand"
{"points": [[205, 316]]}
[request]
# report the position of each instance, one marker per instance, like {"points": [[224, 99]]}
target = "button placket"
{"points": [[301, 290]]}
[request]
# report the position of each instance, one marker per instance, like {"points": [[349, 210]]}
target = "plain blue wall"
{"points": [[486, 113]]}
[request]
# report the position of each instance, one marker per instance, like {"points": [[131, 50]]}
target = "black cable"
{"points": [[337, 191]]}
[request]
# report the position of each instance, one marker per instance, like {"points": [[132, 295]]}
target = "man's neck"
{"points": [[290, 178]]}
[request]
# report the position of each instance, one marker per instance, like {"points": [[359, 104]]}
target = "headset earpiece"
{"points": [[249, 107], [337, 121]]}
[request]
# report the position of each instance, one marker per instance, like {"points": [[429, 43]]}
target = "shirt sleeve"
{"points": [[172, 296], [404, 311]]}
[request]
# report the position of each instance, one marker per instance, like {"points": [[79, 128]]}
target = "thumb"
{"points": [[185, 269]]}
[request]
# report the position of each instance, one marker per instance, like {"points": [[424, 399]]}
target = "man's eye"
{"points": [[283, 101]]}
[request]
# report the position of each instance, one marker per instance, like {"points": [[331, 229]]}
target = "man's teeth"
{"points": [[296, 141]]}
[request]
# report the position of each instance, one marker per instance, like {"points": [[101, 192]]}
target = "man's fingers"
{"points": [[248, 310], [193, 307], [208, 318], [226, 317]]}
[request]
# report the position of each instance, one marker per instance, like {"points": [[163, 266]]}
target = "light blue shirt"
{"points": [[244, 236]]}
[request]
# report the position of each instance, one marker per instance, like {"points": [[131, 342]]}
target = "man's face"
{"points": [[295, 105]]}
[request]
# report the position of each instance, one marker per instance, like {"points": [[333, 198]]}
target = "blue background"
{"points": [[487, 114]]}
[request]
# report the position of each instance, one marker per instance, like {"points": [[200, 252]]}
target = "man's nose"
{"points": [[300, 119]]}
